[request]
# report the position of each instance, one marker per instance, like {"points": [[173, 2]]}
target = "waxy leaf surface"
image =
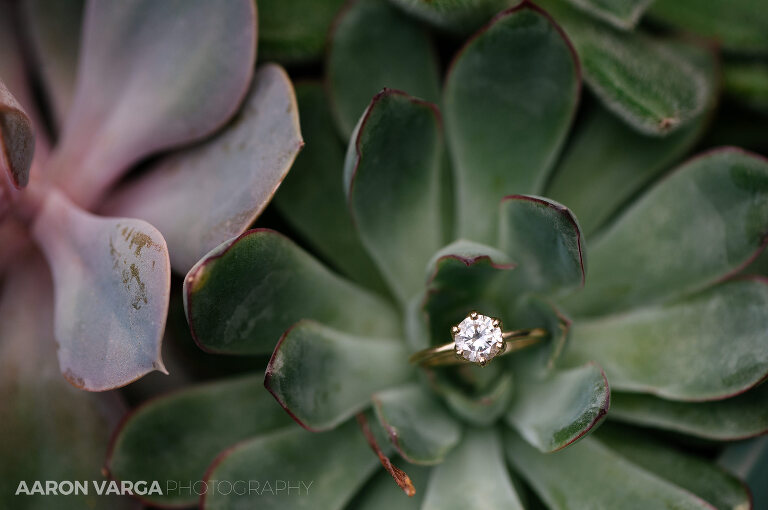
{"points": [[322, 376], [391, 174], [620, 13], [130, 101], [112, 282], [242, 296], [17, 141], [204, 195], [507, 114]]}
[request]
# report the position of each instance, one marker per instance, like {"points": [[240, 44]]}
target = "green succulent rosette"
{"points": [[461, 193]]}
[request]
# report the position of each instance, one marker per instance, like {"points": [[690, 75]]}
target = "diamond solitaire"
{"points": [[478, 338]]}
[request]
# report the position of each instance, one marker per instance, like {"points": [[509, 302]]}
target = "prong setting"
{"points": [[478, 338]]}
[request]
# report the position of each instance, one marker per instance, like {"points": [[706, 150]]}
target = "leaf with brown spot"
{"points": [[17, 139], [111, 285]]}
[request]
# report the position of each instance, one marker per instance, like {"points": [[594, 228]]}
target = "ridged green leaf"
{"points": [[652, 86], [708, 346], [418, 425], [482, 408], [544, 239], [738, 25], [620, 13], [507, 114], [702, 222], [459, 16], [375, 46], [332, 466], [312, 199], [473, 477], [323, 377], [174, 438], [748, 460], [243, 295], [392, 177]]}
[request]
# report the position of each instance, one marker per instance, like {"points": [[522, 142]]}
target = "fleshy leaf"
{"points": [[130, 103], [17, 140], [607, 162], [507, 114], [740, 417], [705, 347], [418, 426], [747, 83], [591, 475], [652, 86], [473, 477], [332, 466], [622, 14], [312, 199], [544, 239], [391, 175], [204, 195], [43, 418], [322, 377], [54, 30], [175, 437], [694, 474], [374, 46], [480, 409], [112, 283], [577, 401], [738, 25], [243, 295], [381, 494], [702, 222], [748, 460], [296, 31], [462, 277], [461, 16]]}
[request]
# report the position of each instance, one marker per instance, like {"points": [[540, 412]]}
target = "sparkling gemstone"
{"points": [[477, 338]]}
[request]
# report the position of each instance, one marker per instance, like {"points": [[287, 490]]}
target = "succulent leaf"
{"points": [[704, 221], [488, 488], [694, 474], [507, 114], [607, 162], [418, 426], [739, 417], [458, 16], [747, 82], [311, 198], [242, 296], [391, 176], [543, 237], [577, 400], [17, 141], [202, 196], [623, 14], [54, 31], [112, 283], [43, 418], [481, 409], [323, 377], [119, 116], [652, 86], [590, 474], [706, 347], [334, 465], [295, 31], [374, 46], [737, 25], [464, 276], [195, 425]]}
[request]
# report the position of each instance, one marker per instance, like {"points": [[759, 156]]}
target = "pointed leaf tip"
{"points": [[112, 285]]}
